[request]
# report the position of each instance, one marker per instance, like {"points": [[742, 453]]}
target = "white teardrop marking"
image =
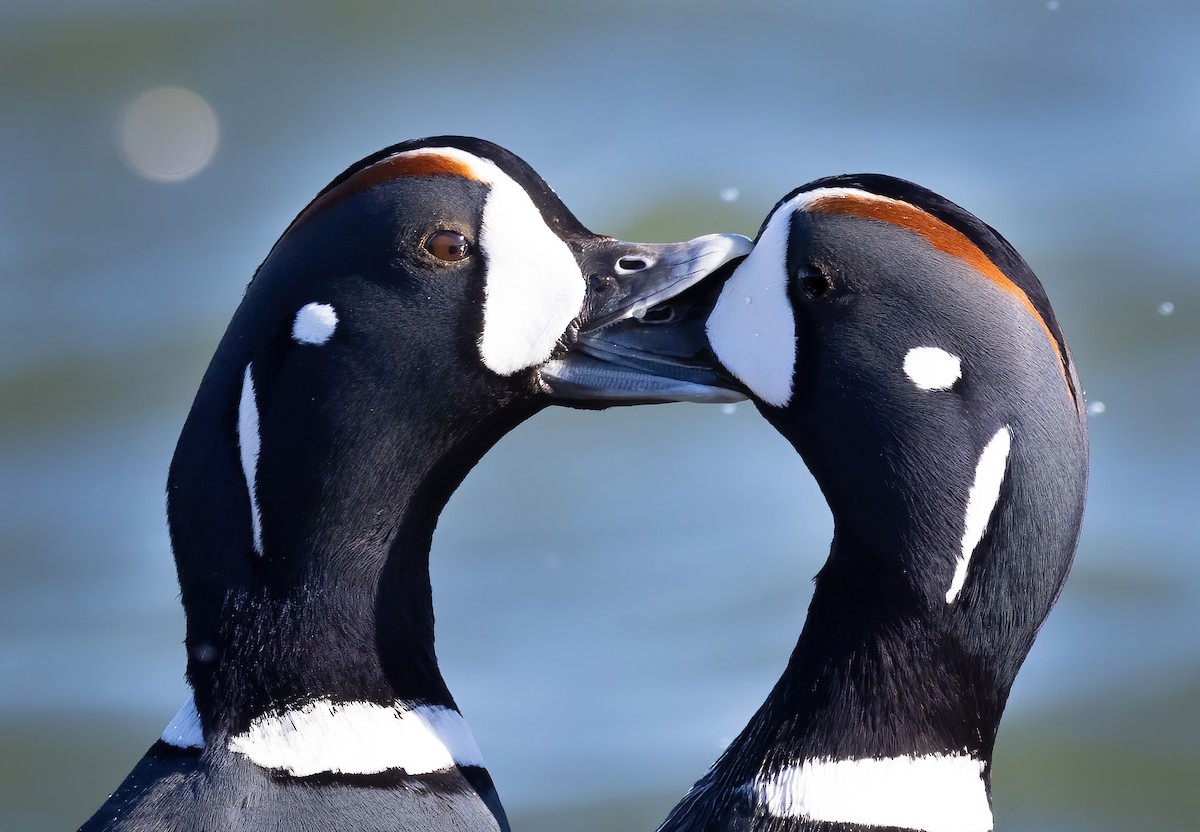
{"points": [[933, 793], [359, 738], [931, 368], [184, 730], [314, 324], [752, 328], [981, 502], [248, 447]]}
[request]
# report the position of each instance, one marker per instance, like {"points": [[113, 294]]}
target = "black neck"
{"points": [[885, 666], [350, 485]]}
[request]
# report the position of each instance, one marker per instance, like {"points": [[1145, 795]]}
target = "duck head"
{"points": [[423, 304], [911, 357]]}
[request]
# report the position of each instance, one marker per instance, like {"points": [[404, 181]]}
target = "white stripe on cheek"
{"points": [[752, 328], [248, 446], [981, 501]]}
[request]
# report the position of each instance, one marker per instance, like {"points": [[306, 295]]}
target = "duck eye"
{"points": [[813, 282], [449, 246]]}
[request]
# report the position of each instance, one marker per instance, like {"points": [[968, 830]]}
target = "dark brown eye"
{"points": [[813, 282], [448, 245]]}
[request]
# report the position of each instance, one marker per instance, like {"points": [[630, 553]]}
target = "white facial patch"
{"points": [[933, 793], [534, 287], [981, 501], [248, 446], [931, 368], [359, 738], [314, 324], [184, 730], [752, 328]]}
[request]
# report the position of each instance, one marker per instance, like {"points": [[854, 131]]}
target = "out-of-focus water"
{"points": [[616, 592]]}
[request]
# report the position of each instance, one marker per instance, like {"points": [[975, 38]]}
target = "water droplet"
{"points": [[1096, 408], [730, 194], [1166, 308], [747, 300], [729, 408], [204, 652], [169, 134]]}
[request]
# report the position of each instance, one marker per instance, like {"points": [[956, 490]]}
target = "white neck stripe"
{"points": [[248, 446], [359, 738], [981, 502], [933, 793], [184, 730]]}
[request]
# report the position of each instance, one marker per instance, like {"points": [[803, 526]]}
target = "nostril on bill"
{"points": [[631, 264], [663, 313]]}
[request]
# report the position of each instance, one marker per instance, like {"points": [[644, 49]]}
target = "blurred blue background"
{"points": [[602, 665]]}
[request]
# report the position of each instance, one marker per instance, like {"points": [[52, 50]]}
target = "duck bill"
{"points": [[640, 338]]}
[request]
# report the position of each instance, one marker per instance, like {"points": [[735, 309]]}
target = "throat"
{"points": [[304, 572], [886, 716], [876, 677]]}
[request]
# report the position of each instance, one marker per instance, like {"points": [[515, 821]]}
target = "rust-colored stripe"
{"points": [[942, 237], [411, 163]]}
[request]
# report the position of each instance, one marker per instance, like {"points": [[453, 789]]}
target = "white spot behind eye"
{"points": [[314, 324], [981, 501], [248, 446], [752, 328], [534, 287], [931, 368]]}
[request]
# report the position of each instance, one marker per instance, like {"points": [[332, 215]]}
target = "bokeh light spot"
{"points": [[169, 134]]}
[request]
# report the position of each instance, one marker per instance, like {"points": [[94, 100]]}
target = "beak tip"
{"points": [[739, 245]]}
